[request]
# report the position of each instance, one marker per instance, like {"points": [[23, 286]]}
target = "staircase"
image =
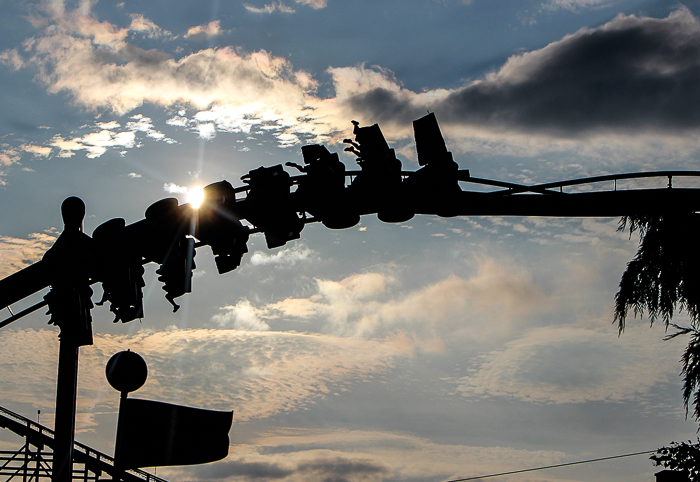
{"points": [[34, 461]]}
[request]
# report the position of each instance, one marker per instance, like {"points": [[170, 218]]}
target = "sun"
{"points": [[195, 196]]}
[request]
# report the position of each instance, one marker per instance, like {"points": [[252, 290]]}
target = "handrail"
{"points": [[28, 427]]}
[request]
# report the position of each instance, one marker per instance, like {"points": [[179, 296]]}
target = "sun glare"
{"points": [[195, 196]]}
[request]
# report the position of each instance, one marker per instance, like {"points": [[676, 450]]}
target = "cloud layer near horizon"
{"points": [[359, 456], [262, 375]]}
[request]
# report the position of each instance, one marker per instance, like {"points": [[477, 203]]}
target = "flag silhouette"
{"points": [[156, 433]]}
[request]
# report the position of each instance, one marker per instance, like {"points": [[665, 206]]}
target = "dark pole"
{"points": [[126, 371], [69, 305], [64, 425], [118, 470]]}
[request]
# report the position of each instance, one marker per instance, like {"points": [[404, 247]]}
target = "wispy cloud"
{"points": [[104, 136], [17, 253], [314, 3], [576, 5], [256, 374], [9, 155], [36, 151], [281, 7], [11, 58], [269, 8], [285, 256], [574, 365], [173, 188], [95, 143], [365, 304], [242, 316], [202, 32], [360, 456]]}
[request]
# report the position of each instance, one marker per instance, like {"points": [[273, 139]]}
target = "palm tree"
{"points": [[663, 278]]}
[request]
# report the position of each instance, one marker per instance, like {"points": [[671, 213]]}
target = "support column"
{"points": [[64, 425]]}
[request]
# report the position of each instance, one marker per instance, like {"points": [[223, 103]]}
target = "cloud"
{"points": [[281, 7], [256, 374], [339, 468], [108, 125], [141, 123], [365, 304], [37, 151], [18, 253], [82, 24], [314, 3], [574, 365], [104, 136], [94, 63], [356, 455], [173, 188], [9, 155], [207, 130], [242, 316], [95, 143], [285, 257], [12, 58], [269, 8], [342, 468], [632, 75], [203, 32], [245, 469], [576, 5]]}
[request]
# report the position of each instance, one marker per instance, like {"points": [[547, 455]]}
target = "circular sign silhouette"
{"points": [[126, 371]]}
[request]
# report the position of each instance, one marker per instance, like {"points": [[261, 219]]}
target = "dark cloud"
{"points": [[249, 470], [386, 106], [338, 469], [341, 469], [632, 74], [145, 57]]}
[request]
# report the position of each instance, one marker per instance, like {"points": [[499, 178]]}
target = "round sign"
{"points": [[126, 371]]}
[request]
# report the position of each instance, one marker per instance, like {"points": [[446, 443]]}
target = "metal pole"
{"points": [[118, 469], [71, 312], [64, 425]]}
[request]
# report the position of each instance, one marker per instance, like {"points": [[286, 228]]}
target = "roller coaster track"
{"points": [[544, 199], [33, 465]]}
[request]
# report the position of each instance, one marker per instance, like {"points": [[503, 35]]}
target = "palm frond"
{"points": [[664, 275], [663, 278]]}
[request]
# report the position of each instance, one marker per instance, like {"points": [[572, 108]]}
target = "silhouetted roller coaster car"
{"points": [[268, 205], [322, 191], [436, 182], [219, 226], [377, 187], [166, 242], [117, 265]]}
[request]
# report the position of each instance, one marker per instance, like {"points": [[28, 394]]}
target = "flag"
{"points": [[154, 434]]}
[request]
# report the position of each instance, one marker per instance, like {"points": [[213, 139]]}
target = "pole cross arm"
{"points": [[23, 283]]}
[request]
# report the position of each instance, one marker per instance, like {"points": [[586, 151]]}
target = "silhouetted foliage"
{"points": [[681, 456], [663, 278]]}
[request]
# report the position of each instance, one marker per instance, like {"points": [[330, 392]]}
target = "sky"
{"points": [[429, 350]]}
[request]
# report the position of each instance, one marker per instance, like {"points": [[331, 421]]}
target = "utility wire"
{"points": [[553, 466]]}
